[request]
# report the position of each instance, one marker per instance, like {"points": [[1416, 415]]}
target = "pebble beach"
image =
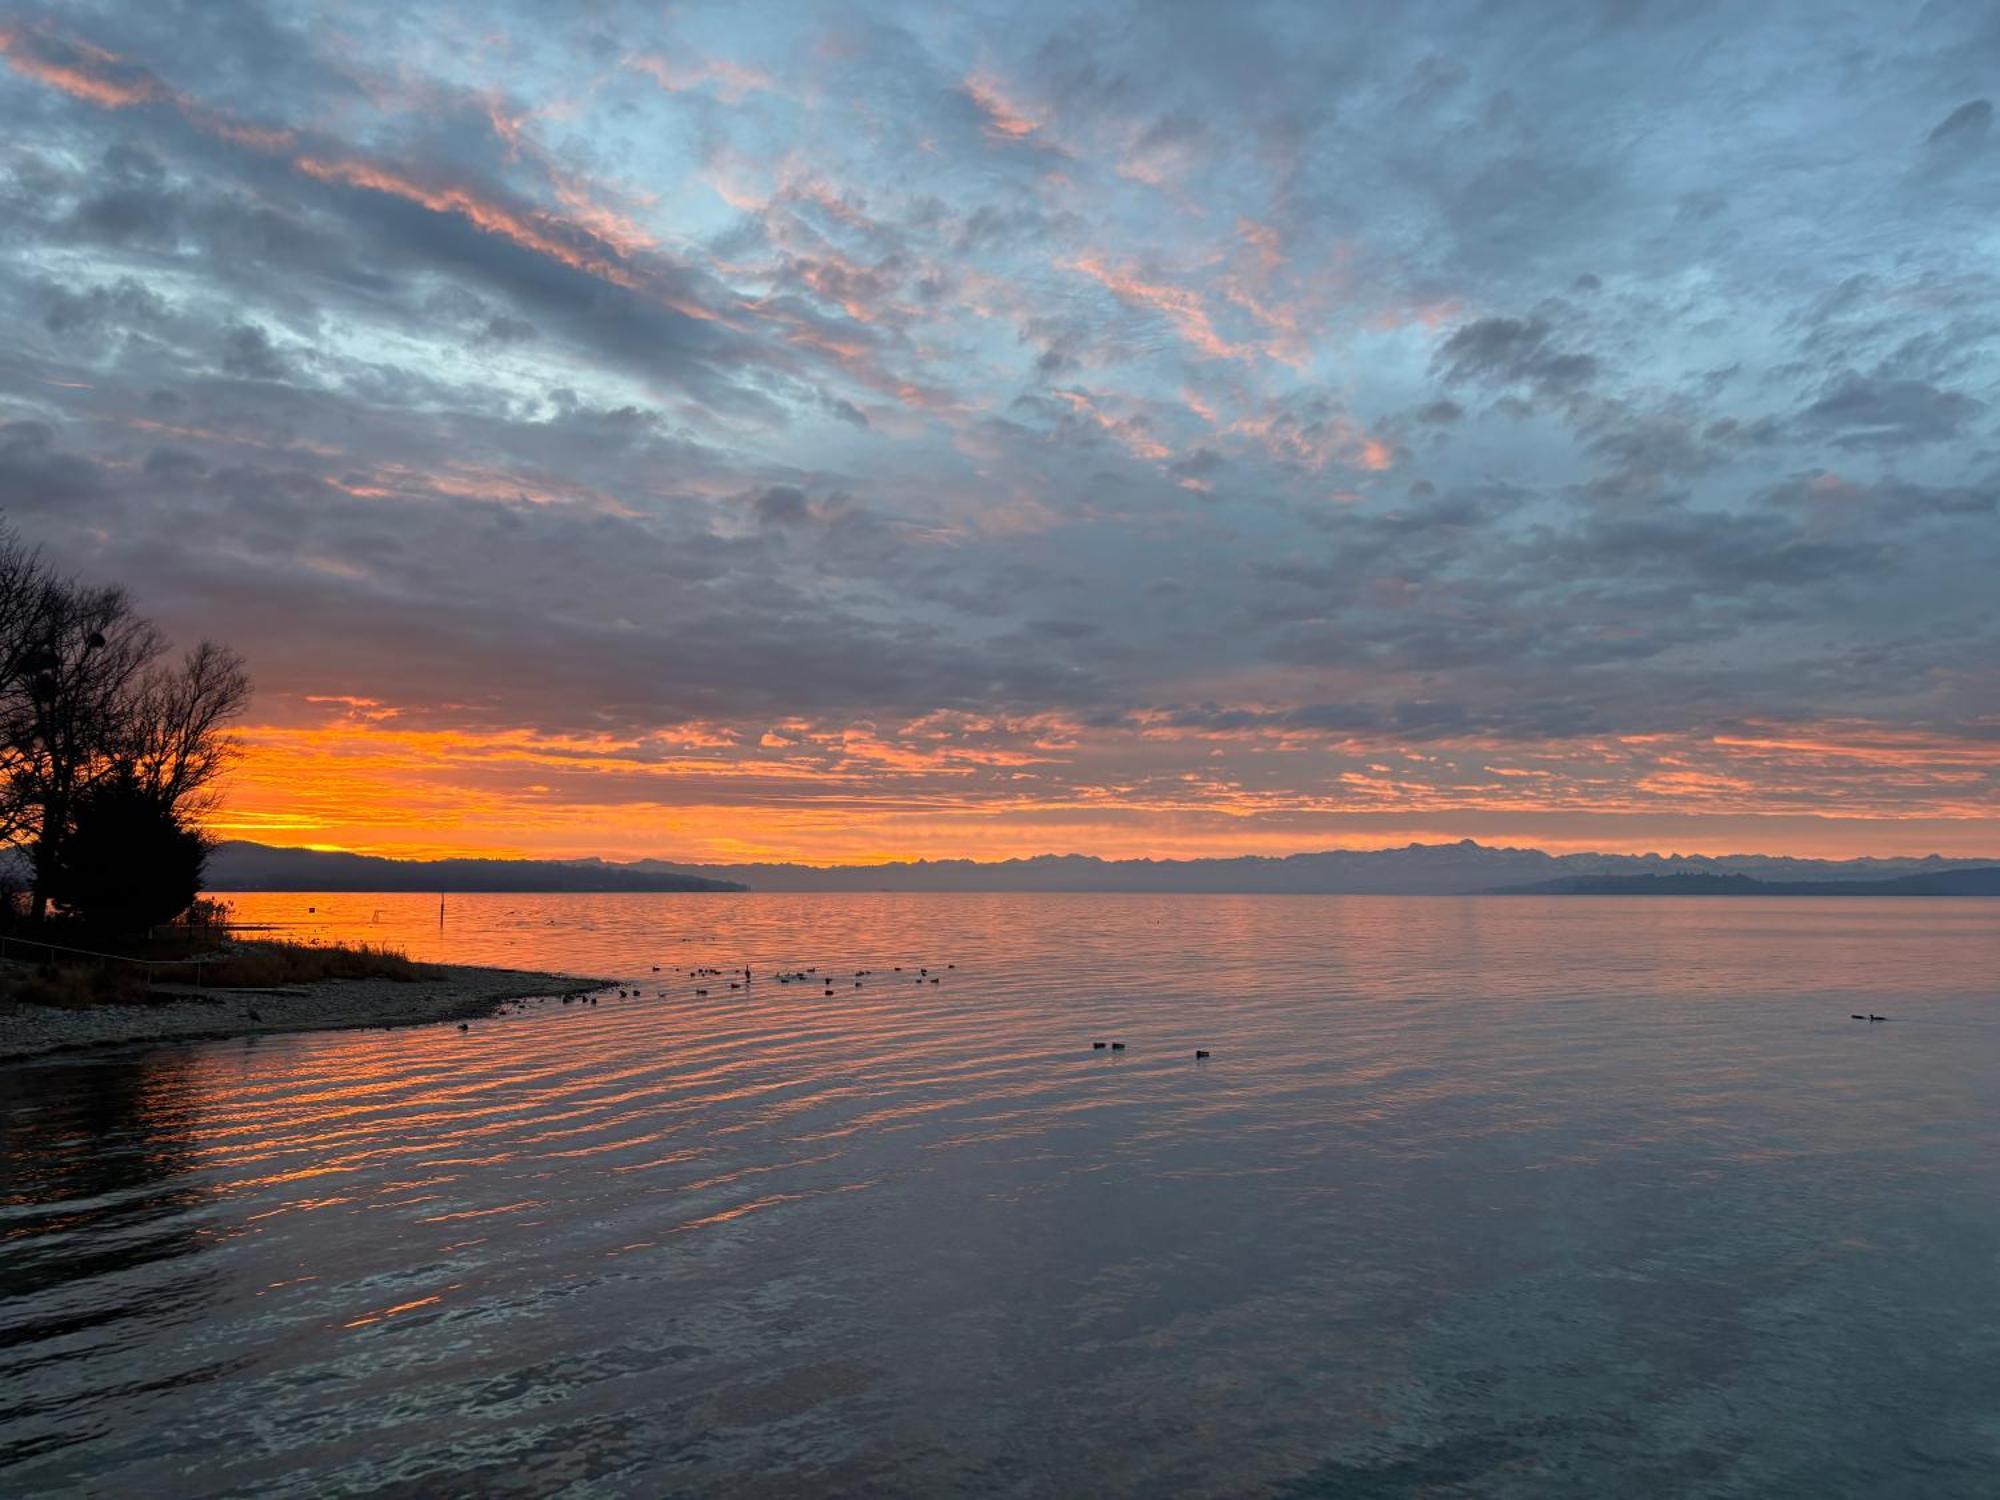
{"points": [[450, 992]]}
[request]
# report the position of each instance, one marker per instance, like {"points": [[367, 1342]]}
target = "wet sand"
{"points": [[454, 992]]}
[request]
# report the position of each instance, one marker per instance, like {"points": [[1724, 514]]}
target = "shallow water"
{"points": [[1482, 1196]]}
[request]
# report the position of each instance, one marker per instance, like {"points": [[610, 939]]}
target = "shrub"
{"points": [[127, 862]]}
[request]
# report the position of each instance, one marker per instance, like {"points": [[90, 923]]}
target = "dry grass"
{"points": [[72, 985], [268, 964]]}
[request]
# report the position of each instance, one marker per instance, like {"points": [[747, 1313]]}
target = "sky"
{"points": [[862, 431]]}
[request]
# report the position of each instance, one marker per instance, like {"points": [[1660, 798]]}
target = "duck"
{"points": [[1098, 1046], [1200, 1053], [1117, 1046]]}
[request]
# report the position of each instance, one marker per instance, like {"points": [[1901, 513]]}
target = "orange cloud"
{"points": [[732, 82], [359, 774], [1004, 118], [1182, 308], [594, 239], [522, 229], [93, 76]]}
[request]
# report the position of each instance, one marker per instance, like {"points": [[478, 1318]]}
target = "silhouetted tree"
{"points": [[85, 702], [127, 860], [171, 732]]}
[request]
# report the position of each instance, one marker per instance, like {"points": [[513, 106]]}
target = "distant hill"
{"points": [[1983, 881], [1464, 868], [239, 866]]}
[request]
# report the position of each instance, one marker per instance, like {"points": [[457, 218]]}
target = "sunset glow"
{"points": [[723, 435]]}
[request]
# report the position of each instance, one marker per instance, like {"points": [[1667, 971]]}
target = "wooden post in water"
{"points": [[440, 911]]}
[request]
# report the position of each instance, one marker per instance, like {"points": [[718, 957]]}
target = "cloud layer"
{"points": [[1131, 429]]}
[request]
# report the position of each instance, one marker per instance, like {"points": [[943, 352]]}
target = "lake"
{"points": [[1494, 1196]]}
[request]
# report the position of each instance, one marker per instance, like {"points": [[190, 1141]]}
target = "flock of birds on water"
{"points": [[744, 977], [741, 979]]}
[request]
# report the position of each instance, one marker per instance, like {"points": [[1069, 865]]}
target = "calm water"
{"points": [[1485, 1196]]}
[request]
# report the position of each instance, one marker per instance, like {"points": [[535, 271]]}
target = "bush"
{"points": [[126, 863]]}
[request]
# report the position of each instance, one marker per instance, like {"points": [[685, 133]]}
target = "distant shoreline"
{"points": [[459, 992], [1978, 882], [1463, 868]]}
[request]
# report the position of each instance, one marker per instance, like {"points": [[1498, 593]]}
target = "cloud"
{"points": [[1859, 412], [35, 475], [1965, 128], [247, 351], [1273, 381], [1511, 351], [781, 505], [125, 304]]}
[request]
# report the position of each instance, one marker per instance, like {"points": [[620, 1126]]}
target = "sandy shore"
{"points": [[457, 992]]}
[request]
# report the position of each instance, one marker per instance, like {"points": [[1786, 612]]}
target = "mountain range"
{"points": [[242, 866], [1463, 868], [1982, 880]]}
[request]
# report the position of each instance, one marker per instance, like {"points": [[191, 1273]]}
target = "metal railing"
{"points": [[8, 940]]}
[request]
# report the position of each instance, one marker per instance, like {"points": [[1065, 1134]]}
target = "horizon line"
{"points": [[1016, 859]]}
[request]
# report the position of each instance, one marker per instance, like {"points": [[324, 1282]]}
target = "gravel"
{"points": [[457, 992]]}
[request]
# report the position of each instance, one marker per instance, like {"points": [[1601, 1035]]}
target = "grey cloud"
{"points": [[1198, 464], [781, 505], [247, 351], [126, 303], [1649, 442], [617, 622], [501, 329], [1884, 502], [1859, 412], [1778, 293], [36, 474], [120, 215], [1965, 127], [845, 410], [1708, 552], [174, 465], [1511, 351]]}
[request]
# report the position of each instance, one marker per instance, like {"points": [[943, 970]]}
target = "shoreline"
{"points": [[455, 992]]}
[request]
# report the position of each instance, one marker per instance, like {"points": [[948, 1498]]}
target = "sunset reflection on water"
{"points": [[1503, 1193]]}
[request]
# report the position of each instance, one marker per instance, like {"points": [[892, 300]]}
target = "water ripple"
{"points": [[1499, 1196]]}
